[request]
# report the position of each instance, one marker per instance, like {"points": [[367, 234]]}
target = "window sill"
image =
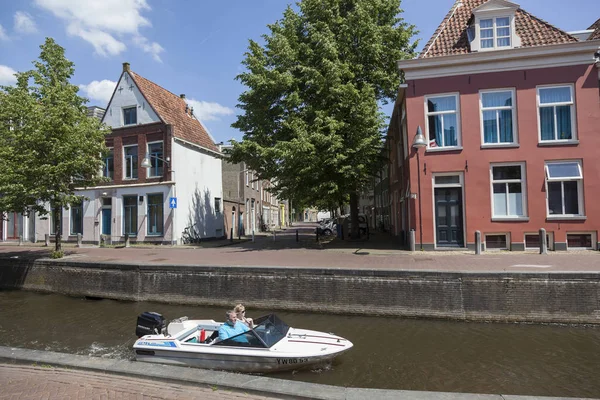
{"points": [[130, 179], [566, 218], [442, 149], [500, 146], [154, 235], [551, 143], [510, 219]]}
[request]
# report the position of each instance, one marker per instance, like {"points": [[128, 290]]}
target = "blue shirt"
{"points": [[226, 331]]}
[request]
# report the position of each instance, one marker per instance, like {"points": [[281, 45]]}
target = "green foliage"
{"points": [[311, 118], [49, 147], [57, 254]]}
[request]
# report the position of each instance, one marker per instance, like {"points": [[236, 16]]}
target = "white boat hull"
{"points": [[298, 349]]}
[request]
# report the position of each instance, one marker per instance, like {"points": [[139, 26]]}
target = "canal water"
{"points": [[388, 353]]}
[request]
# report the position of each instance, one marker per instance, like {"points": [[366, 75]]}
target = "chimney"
{"points": [[182, 96], [126, 67]]}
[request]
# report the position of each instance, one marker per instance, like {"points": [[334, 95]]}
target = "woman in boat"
{"points": [[240, 311]]}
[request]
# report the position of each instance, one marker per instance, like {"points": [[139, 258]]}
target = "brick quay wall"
{"points": [[550, 297]]}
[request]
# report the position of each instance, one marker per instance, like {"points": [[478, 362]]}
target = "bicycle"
{"points": [[190, 235]]}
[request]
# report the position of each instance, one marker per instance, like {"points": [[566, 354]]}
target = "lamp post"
{"points": [[417, 144], [146, 163]]}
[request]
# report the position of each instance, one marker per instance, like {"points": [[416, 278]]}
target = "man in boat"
{"points": [[232, 327]]}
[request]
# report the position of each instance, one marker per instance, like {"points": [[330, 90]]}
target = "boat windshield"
{"points": [[270, 329]]}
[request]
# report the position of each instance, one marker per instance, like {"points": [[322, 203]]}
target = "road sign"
{"points": [[173, 202]]}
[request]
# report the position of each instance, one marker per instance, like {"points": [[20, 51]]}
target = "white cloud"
{"points": [[3, 35], [153, 48], [99, 90], [24, 23], [206, 111], [105, 24], [7, 76]]}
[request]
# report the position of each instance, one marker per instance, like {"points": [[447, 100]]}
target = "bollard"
{"points": [[477, 242], [47, 240], [274, 235], [127, 240], [411, 240], [231, 235], [543, 243], [296, 235], [317, 233], [252, 235], [20, 240], [79, 239]]}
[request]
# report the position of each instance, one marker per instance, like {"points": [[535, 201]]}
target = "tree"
{"points": [[49, 147], [311, 117]]}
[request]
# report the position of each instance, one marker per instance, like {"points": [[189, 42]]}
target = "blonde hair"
{"points": [[239, 308]]}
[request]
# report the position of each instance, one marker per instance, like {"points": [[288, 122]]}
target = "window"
{"points": [[130, 115], [131, 161], [508, 188], [497, 242], [580, 240], [155, 152], [532, 241], [442, 121], [495, 32], [109, 165], [130, 215], [52, 224], [217, 205], [155, 214], [564, 182], [498, 117], [76, 219], [556, 113]]}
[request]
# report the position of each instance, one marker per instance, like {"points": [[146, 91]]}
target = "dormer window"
{"points": [[494, 30], [492, 26]]}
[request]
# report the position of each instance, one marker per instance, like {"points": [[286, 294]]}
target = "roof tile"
{"points": [[172, 110], [451, 35], [596, 27]]}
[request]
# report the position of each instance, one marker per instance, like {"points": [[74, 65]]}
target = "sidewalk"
{"points": [[46, 383], [285, 251]]}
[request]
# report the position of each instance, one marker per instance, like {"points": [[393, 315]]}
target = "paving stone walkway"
{"points": [[18, 382]]}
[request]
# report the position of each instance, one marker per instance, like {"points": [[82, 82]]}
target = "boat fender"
{"points": [[202, 336]]}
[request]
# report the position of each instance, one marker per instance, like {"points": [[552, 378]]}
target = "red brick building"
{"points": [[509, 108]]}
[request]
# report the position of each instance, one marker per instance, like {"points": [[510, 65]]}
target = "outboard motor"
{"points": [[150, 323]]}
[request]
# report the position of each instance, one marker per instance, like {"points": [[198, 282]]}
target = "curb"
{"points": [[230, 380]]}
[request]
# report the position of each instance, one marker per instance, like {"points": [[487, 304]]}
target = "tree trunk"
{"points": [[57, 228], [355, 230]]}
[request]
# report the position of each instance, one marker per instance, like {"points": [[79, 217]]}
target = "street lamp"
{"points": [[146, 163], [417, 144]]}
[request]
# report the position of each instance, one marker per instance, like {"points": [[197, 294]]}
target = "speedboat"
{"points": [[270, 346]]}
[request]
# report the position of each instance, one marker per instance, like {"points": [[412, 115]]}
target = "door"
{"points": [[14, 225], [106, 221], [448, 217]]}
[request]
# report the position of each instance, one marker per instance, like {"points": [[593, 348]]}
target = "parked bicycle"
{"points": [[190, 235]]}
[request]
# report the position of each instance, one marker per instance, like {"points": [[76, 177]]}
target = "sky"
{"points": [[194, 47]]}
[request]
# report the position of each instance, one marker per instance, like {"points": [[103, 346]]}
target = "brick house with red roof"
{"points": [[159, 151], [509, 109]]}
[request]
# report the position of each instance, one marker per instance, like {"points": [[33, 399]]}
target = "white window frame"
{"points": [[105, 167], [506, 238], [125, 161], [580, 202], [123, 114], [513, 108], [522, 181], [549, 239], [149, 170], [593, 240], [458, 122], [495, 36], [573, 115]]}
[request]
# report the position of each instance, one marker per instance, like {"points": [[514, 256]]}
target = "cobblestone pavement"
{"points": [[18, 382], [380, 252]]}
